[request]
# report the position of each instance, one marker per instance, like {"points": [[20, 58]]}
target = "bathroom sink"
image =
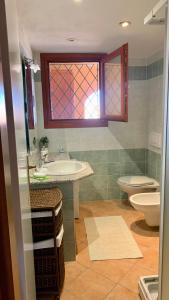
{"points": [[64, 167]]}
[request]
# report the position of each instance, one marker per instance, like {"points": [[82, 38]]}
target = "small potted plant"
{"points": [[43, 145], [43, 142]]}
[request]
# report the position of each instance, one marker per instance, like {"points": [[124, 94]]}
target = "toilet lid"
{"points": [[136, 180]]}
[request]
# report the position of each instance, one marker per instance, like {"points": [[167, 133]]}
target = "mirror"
{"points": [[30, 103]]}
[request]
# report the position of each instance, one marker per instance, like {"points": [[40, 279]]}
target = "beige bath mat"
{"points": [[110, 238]]}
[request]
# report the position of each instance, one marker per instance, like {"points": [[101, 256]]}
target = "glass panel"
{"points": [[113, 87], [74, 90]]}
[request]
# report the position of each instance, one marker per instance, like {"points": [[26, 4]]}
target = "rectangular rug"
{"points": [[110, 238]]}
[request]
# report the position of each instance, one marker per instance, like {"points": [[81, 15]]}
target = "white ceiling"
{"points": [[93, 23]]}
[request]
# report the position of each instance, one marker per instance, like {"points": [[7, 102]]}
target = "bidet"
{"points": [[149, 205]]}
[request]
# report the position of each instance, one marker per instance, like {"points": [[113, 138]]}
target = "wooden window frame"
{"points": [[123, 53], [101, 58], [46, 59]]}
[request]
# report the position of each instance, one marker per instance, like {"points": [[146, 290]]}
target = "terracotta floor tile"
{"points": [[90, 286], [67, 295], [113, 269], [146, 241], [122, 293], [130, 280], [139, 227], [80, 231], [81, 245], [83, 258], [85, 211], [96, 280], [72, 271], [150, 260]]}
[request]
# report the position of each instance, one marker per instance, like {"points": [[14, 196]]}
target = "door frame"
{"points": [[6, 276], [164, 226], [12, 281], [13, 284]]}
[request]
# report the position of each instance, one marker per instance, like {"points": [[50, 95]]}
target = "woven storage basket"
{"points": [[45, 198], [49, 262], [49, 283], [49, 269], [44, 227]]}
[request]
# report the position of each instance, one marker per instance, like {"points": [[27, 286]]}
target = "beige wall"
{"points": [[116, 135], [145, 116]]}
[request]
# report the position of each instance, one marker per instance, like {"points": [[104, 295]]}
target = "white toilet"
{"points": [[137, 184], [149, 204]]}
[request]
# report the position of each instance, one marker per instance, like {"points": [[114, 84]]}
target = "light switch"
{"points": [[155, 139]]}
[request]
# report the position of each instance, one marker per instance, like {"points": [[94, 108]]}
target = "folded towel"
{"points": [[40, 178]]}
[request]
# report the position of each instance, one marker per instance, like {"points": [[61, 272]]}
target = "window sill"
{"points": [[75, 123]]}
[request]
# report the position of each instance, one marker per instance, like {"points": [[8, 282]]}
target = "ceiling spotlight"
{"points": [[71, 39], [78, 1], [125, 24]]}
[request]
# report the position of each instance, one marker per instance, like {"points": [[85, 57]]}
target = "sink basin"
{"points": [[64, 167]]}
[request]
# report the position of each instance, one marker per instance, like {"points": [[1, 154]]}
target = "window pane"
{"points": [[74, 90], [113, 87]]}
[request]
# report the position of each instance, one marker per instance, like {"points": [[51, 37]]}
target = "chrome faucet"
{"points": [[44, 155], [61, 149]]}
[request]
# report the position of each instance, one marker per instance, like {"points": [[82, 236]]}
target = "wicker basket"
{"points": [[49, 269], [44, 227], [49, 262], [45, 198]]}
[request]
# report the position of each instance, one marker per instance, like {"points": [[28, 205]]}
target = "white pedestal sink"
{"points": [[67, 167], [65, 171], [64, 167], [76, 198]]}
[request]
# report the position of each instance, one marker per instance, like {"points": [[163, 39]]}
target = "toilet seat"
{"points": [[136, 181]]}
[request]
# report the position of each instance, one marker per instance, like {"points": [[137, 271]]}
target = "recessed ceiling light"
{"points": [[71, 39], [125, 24], [78, 1]]}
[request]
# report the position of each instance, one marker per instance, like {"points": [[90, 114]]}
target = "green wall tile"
{"points": [[132, 168], [106, 168], [68, 220], [130, 155], [93, 188], [155, 69], [113, 169], [126, 155], [113, 193], [69, 231], [66, 188], [112, 180], [146, 72], [152, 171], [68, 212], [158, 168], [123, 195], [69, 251], [137, 72], [100, 168], [75, 155], [93, 193], [109, 165], [93, 156], [113, 156], [153, 165]]}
